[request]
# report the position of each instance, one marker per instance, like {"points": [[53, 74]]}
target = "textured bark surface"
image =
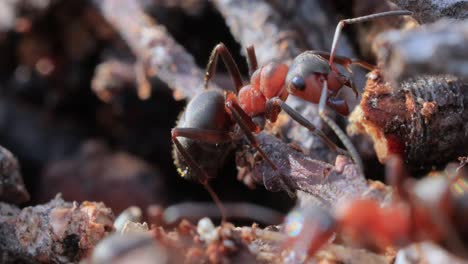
{"points": [[318, 182], [158, 53], [427, 11], [56, 232], [425, 120], [438, 48]]}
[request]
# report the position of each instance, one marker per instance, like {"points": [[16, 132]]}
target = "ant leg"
{"points": [[344, 61], [209, 136], [275, 102], [341, 24], [251, 59], [396, 175], [236, 113], [341, 135], [222, 50]]}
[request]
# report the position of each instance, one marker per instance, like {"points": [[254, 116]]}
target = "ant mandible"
{"points": [[422, 210], [215, 118]]}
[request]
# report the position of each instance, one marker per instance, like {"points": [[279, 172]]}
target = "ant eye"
{"points": [[298, 83]]}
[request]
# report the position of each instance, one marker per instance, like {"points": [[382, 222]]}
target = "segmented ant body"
{"points": [[216, 118], [422, 210]]}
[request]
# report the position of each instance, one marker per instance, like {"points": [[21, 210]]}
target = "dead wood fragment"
{"points": [[426, 121], [56, 232], [318, 182], [159, 54], [439, 48], [12, 189], [427, 11]]}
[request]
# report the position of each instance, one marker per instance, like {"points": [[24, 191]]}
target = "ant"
{"points": [[424, 210], [214, 119]]}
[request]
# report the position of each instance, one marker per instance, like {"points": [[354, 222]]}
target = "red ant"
{"points": [[423, 210], [216, 118]]}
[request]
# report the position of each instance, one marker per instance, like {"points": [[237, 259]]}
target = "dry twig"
{"points": [[158, 53]]}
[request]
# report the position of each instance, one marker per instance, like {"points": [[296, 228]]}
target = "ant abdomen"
{"points": [[204, 113]]}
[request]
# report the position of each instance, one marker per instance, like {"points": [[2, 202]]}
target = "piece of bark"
{"points": [[12, 189], [427, 11], [96, 173], [159, 54], [438, 48], [426, 120], [55, 232], [318, 182]]}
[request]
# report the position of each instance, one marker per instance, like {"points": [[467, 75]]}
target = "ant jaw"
{"points": [[339, 105]]}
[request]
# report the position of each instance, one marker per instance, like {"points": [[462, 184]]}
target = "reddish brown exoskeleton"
{"points": [[216, 118], [422, 210]]}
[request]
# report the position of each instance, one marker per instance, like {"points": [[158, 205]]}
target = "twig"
{"points": [[158, 52]]}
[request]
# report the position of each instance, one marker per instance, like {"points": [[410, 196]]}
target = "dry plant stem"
{"points": [[438, 48], [12, 189], [56, 232], [427, 11], [158, 52], [426, 120]]}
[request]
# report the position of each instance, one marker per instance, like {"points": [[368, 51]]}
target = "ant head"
{"points": [[306, 75]]}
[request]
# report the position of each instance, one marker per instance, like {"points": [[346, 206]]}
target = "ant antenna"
{"points": [[343, 22], [217, 201], [340, 133]]}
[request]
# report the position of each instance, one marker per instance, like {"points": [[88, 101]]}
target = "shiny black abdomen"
{"points": [[205, 111]]}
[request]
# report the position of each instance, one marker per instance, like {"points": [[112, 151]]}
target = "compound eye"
{"points": [[298, 83]]}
